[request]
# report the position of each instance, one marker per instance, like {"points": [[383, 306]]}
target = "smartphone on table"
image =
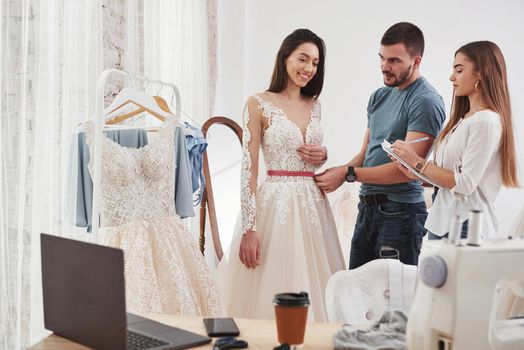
{"points": [[221, 327]]}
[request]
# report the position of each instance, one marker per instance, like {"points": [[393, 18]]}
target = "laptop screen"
{"points": [[84, 299], [84, 292]]}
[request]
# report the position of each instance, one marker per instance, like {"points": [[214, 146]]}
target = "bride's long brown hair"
{"points": [[493, 85]]}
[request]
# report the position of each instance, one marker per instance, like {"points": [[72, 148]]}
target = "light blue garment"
{"points": [[183, 177], [133, 139], [196, 145], [392, 113]]}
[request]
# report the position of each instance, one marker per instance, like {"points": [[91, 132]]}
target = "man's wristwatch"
{"points": [[350, 175]]}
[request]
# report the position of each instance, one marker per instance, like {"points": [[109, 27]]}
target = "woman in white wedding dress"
{"points": [[285, 239], [165, 272]]}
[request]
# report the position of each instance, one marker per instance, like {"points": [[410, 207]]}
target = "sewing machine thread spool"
{"points": [[474, 228], [455, 230]]}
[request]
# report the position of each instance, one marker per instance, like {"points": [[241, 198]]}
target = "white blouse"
{"points": [[472, 151]]}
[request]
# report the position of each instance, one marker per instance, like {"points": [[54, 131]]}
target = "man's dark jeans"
{"points": [[388, 230]]}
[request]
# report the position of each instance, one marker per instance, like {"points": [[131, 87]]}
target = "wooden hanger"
{"points": [[162, 104], [156, 106]]}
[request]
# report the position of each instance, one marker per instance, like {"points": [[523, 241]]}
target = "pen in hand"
{"points": [[418, 140]]}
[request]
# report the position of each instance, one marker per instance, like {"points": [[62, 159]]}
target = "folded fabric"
{"points": [[389, 332]]}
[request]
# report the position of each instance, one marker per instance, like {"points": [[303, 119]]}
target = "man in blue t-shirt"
{"points": [[392, 211]]}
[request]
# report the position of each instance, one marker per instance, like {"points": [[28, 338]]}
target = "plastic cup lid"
{"points": [[291, 299]]}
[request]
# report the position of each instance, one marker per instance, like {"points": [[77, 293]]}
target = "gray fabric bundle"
{"points": [[389, 332]]}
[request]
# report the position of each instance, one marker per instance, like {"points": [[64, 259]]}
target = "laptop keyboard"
{"points": [[137, 341]]}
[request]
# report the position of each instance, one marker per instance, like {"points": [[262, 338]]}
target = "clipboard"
{"points": [[386, 146]]}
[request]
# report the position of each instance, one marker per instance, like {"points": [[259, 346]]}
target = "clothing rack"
{"points": [[99, 123]]}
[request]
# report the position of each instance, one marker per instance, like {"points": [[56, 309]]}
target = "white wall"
{"points": [[231, 51], [352, 32]]}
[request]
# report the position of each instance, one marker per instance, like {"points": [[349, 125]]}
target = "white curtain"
{"points": [[176, 49], [51, 56]]}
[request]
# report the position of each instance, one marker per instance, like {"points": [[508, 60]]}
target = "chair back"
{"points": [[361, 295], [208, 201]]}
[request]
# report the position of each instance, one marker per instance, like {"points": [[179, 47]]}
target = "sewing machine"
{"points": [[462, 295]]}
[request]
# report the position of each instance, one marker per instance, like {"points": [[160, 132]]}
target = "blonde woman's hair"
{"points": [[493, 85]]}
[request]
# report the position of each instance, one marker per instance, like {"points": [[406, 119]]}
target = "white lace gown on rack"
{"points": [[164, 269], [299, 247]]}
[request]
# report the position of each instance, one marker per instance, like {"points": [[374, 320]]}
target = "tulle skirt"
{"points": [[299, 251], [165, 273]]}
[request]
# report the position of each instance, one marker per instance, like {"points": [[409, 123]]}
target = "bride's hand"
{"points": [[250, 249], [314, 154]]}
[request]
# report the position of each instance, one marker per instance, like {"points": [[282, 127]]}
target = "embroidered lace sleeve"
{"points": [[252, 131], [316, 113]]}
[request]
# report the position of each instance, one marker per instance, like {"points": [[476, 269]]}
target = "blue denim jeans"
{"points": [[388, 230]]}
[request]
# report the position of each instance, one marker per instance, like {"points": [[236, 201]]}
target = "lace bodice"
{"points": [[279, 143], [136, 184], [282, 138]]}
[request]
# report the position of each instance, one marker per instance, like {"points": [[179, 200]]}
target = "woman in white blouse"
{"points": [[475, 153]]}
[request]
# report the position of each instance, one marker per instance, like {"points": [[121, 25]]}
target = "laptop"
{"points": [[84, 300]]}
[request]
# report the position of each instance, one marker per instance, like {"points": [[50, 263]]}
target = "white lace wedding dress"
{"points": [[164, 269], [299, 247]]}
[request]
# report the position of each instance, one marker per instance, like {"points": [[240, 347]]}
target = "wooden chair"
{"points": [[207, 197]]}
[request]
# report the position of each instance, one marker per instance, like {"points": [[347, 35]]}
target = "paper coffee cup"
{"points": [[291, 316]]}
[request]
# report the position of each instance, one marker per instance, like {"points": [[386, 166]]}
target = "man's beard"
{"points": [[402, 78]]}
